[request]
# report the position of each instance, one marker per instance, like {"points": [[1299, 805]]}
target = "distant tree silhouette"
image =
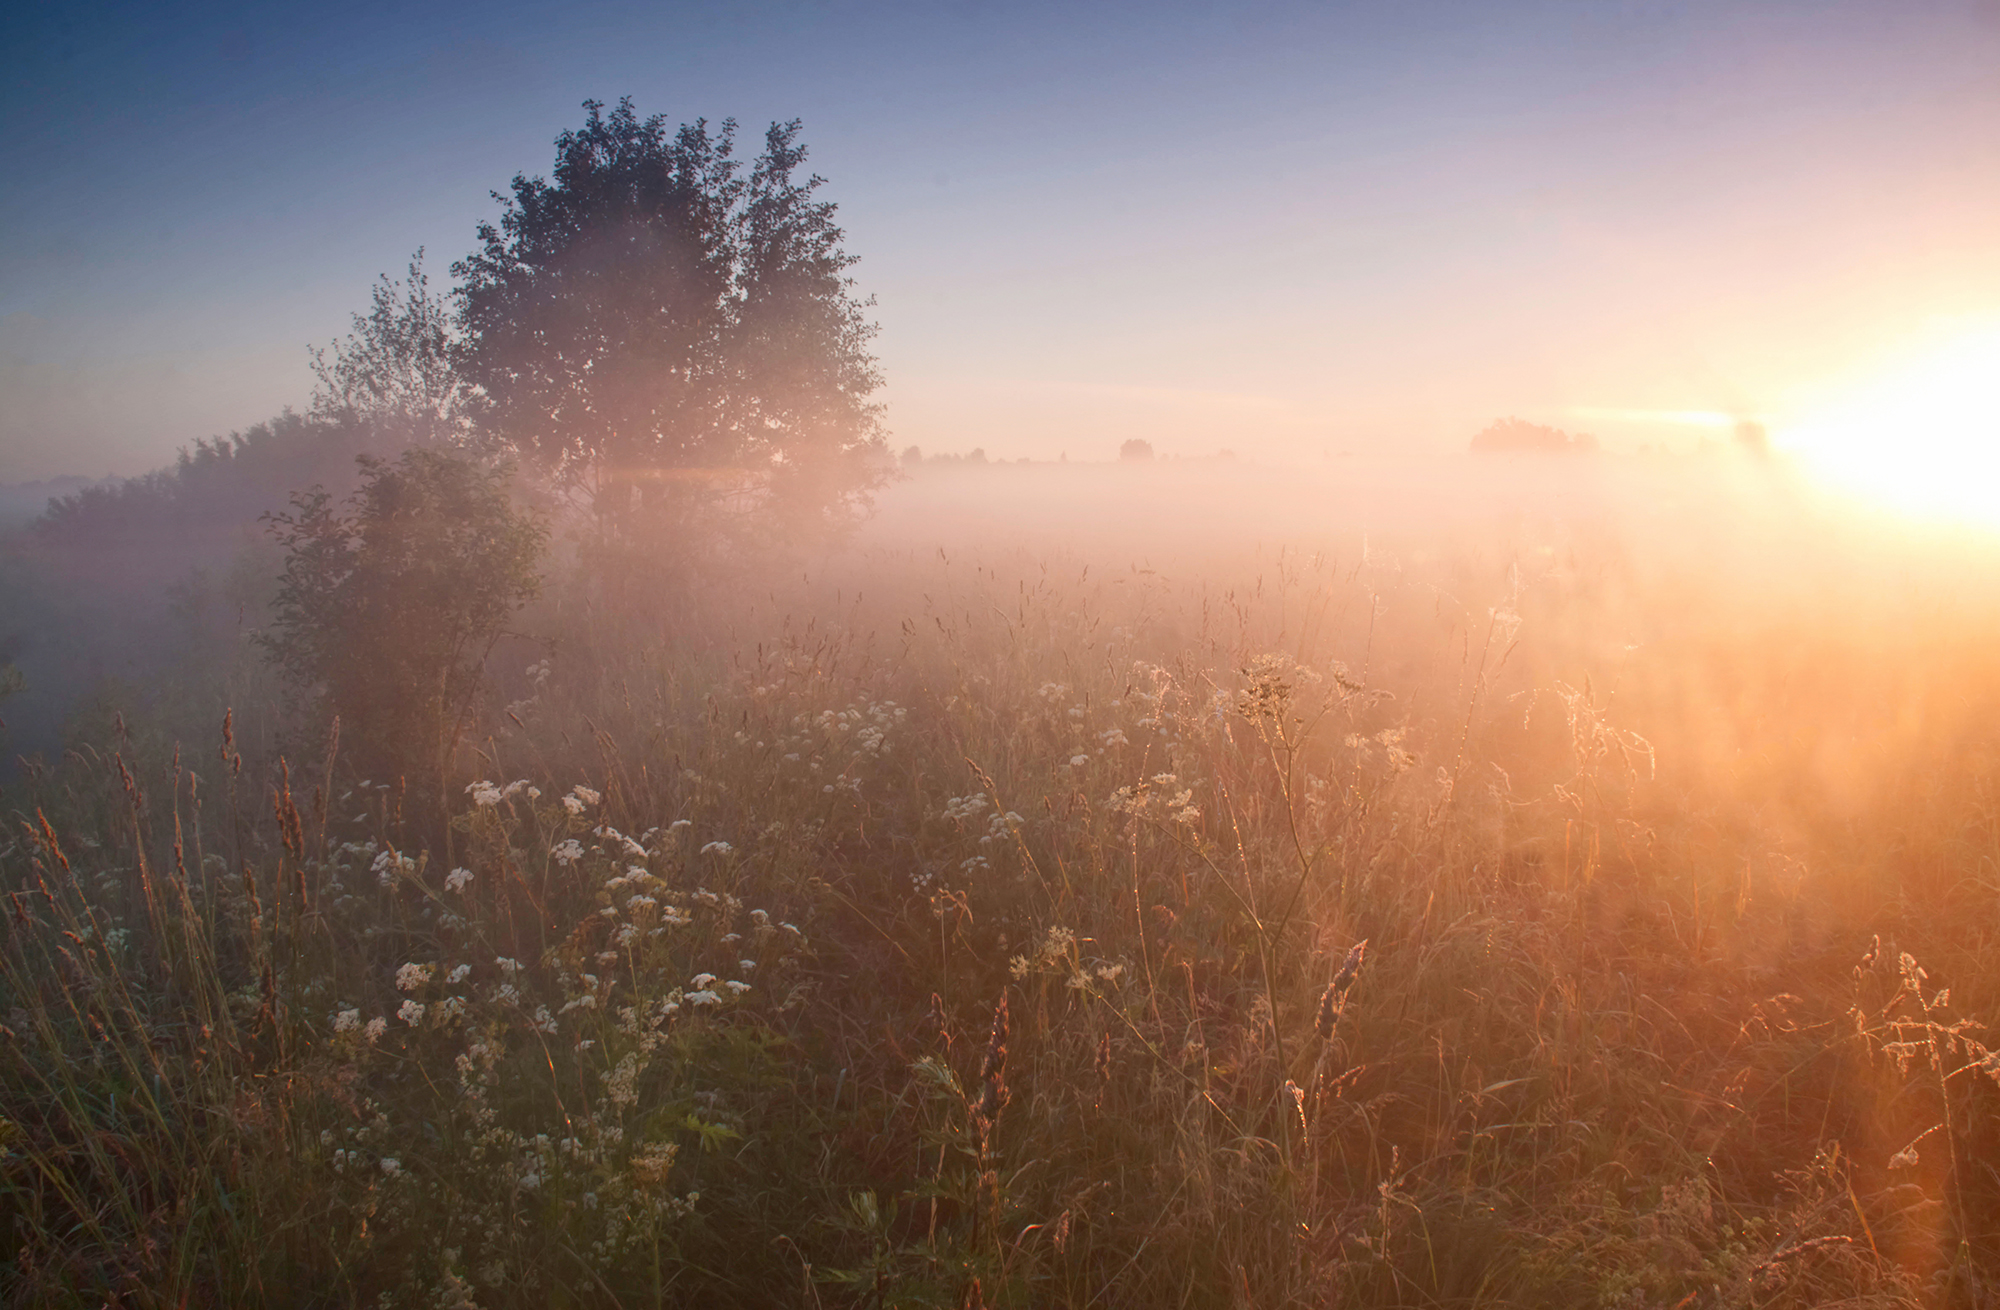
{"points": [[677, 338], [1753, 439], [1513, 434], [1136, 449]]}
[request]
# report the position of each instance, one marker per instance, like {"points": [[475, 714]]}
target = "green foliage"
{"points": [[394, 372], [388, 607], [681, 336]]}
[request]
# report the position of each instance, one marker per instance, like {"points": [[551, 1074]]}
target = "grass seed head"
{"points": [[1333, 1001], [993, 1094]]}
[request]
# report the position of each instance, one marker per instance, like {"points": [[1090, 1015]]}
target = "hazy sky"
{"points": [[1281, 229]]}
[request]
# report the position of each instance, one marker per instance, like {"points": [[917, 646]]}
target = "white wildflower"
{"points": [[412, 976], [457, 879], [411, 1013]]}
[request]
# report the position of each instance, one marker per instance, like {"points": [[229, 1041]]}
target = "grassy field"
{"points": [[1210, 888]]}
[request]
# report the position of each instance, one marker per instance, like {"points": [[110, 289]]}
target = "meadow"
{"points": [[1464, 884]]}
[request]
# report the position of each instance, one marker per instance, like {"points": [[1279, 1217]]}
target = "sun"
{"points": [[1921, 437]]}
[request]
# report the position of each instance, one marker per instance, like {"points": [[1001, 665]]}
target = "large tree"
{"points": [[669, 331]]}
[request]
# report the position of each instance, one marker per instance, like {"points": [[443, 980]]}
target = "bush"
{"points": [[386, 612]]}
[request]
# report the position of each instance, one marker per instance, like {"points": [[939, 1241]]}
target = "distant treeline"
{"points": [[1514, 434], [119, 584]]}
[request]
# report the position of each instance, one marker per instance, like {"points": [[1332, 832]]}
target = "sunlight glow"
{"points": [[1922, 437]]}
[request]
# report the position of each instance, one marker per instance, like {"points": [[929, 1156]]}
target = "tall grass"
{"points": [[1012, 934]]}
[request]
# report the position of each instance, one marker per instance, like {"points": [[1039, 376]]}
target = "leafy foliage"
{"points": [[394, 373], [673, 331], [388, 608]]}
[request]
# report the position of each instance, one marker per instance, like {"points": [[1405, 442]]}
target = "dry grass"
{"points": [[1048, 888]]}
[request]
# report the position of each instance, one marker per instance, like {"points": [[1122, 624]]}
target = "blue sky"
{"points": [[1281, 229]]}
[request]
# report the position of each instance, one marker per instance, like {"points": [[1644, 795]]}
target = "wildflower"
{"points": [[585, 794], [746, 965], [718, 848], [960, 808], [411, 1013], [391, 1166], [703, 997], [485, 795], [507, 966], [621, 1085], [568, 852], [388, 864], [412, 976], [459, 975], [376, 1027], [347, 1021], [1906, 1158], [572, 804], [457, 879], [736, 988], [702, 980]]}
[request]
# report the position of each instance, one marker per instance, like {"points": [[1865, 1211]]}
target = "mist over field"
{"points": [[1322, 657]]}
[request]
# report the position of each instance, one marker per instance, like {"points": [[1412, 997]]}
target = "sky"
{"points": [[1285, 230]]}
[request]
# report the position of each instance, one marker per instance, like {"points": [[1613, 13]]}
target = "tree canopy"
{"points": [[394, 373], [656, 319]]}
